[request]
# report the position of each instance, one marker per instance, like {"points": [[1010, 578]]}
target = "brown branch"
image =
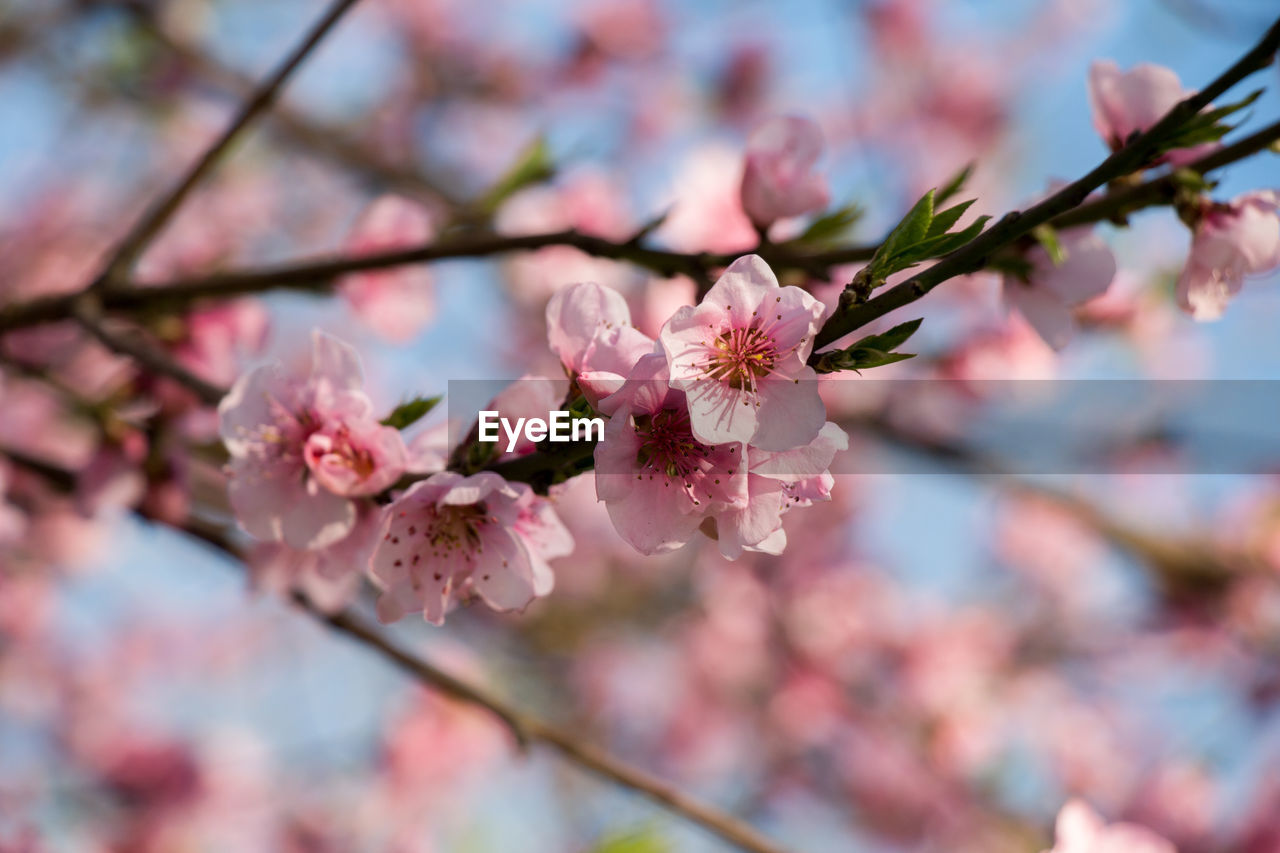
{"points": [[1132, 157], [524, 727], [303, 131], [1186, 568], [318, 275], [87, 311], [155, 217]]}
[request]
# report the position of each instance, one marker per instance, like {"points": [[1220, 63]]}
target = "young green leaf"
{"points": [[533, 166], [892, 339], [944, 221], [954, 185], [831, 226], [408, 413], [911, 230], [1048, 238], [871, 351]]}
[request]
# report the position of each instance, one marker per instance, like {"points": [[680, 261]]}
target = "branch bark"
{"points": [[1136, 154], [155, 217]]}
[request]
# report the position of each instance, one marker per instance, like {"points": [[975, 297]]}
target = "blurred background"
{"points": [[940, 659]]}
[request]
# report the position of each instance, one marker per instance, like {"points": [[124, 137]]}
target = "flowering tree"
{"points": [[684, 595]]}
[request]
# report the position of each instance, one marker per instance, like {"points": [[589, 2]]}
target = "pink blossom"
{"points": [[302, 445], [1129, 102], [576, 314], [740, 357], [1231, 241], [661, 484], [776, 483], [450, 535], [656, 478], [215, 337], [589, 327], [396, 302], [1053, 291], [1080, 830], [706, 204], [778, 180], [329, 577]]}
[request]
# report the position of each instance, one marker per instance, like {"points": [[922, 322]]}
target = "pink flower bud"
{"points": [[778, 181], [1231, 241]]}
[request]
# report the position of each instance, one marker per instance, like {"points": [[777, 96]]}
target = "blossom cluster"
{"points": [[716, 427]]}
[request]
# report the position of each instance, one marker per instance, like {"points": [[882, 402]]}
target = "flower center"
{"points": [[667, 446], [451, 530], [346, 453], [740, 357]]}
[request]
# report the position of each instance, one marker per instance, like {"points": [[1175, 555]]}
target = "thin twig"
{"points": [[87, 311], [318, 274], [525, 728], [971, 257], [155, 217]]}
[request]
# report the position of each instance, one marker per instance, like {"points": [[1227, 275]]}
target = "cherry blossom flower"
{"points": [[589, 327], [740, 358], [1053, 291], [778, 180], [706, 204], [1080, 830], [656, 478], [1231, 241], [1129, 102], [216, 336], [777, 482], [450, 535], [302, 445], [329, 577], [398, 302]]}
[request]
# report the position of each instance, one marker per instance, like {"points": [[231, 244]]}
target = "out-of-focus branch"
{"points": [[319, 274], [524, 727], [87, 311], [326, 140], [1182, 565], [973, 256], [159, 213]]}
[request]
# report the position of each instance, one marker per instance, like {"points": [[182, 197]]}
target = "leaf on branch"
{"points": [[913, 228], [921, 235], [644, 841], [871, 351], [408, 413], [831, 226], [649, 227], [1208, 126], [533, 166], [1047, 237], [946, 220], [954, 185]]}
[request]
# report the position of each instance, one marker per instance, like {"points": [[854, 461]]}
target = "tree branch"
{"points": [[525, 728], [155, 217], [1136, 154]]}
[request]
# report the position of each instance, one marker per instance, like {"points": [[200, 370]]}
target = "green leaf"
{"points": [[831, 226], [533, 166], [871, 351], [408, 413], [892, 339], [1048, 238], [643, 841], [944, 221], [913, 228], [1208, 126], [650, 226], [954, 185], [868, 358]]}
